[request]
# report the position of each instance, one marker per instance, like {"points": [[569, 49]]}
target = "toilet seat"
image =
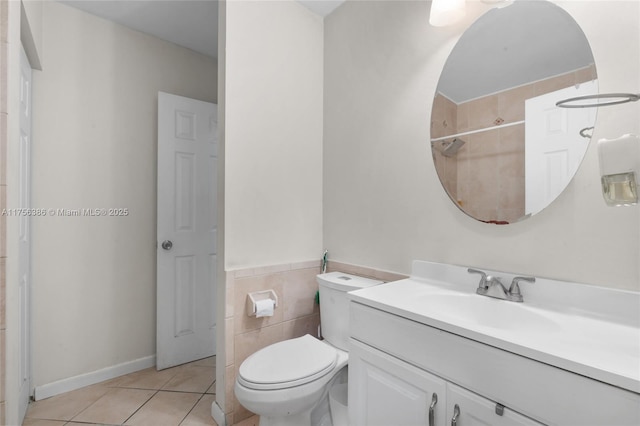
{"points": [[287, 364]]}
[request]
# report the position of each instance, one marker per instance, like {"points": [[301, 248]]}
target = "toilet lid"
{"points": [[289, 363]]}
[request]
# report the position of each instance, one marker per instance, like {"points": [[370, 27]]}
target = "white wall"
{"points": [[221, 290], [383, 203], [9, 247], [31, 31], [273, 140], [95, 147]]}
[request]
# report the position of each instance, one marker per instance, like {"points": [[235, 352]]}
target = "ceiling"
{"points": [[513, 46], [321, 7], [469, 73], [189, 23]]}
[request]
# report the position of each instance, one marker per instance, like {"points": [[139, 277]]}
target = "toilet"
{"points": [[287, 383]]}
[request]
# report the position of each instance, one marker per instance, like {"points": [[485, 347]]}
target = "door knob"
{"points": [[166, 244]]}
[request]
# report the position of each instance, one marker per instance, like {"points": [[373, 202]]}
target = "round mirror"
{"points": [[502, 149]]}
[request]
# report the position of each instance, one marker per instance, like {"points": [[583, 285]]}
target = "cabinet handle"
{"points": [[456, 414], [432, 409]]}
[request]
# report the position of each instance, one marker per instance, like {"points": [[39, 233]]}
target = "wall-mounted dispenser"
{"points": [[620, 169], [261, 303]]}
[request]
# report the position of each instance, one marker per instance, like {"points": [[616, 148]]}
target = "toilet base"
{"points": [[319, 416], [294, 420]]}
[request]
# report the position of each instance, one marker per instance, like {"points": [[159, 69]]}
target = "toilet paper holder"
{"points": [[254, 297]]}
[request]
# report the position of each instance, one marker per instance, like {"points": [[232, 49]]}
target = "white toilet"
{"points": [[287, 383]]}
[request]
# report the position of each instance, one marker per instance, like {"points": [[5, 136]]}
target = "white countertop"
{"points": [[602, 345]]}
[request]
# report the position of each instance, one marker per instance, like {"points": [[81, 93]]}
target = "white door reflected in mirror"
{"points": [[554, 144]]}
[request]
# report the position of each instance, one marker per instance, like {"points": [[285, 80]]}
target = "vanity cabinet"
{"points": [[397, 364], [387, 391]]}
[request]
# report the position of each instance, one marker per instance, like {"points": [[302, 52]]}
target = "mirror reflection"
{"points": [[502, 149]]}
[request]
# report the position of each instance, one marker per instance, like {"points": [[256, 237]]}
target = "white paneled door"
{"points": [[24, 243], [554, 147], [186, 234]]}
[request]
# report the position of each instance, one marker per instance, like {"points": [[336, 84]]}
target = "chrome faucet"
{"points": [[495, 288], [492, 286], [514, 290], [482, 286]]}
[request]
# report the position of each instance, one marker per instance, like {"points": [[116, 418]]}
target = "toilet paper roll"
{"points": [[264, 308]]}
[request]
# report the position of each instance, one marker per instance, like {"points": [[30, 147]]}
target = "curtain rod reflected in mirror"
{"points": [[604, 99]]}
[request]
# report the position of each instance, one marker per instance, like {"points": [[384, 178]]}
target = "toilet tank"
{"points": [[334, 305]]}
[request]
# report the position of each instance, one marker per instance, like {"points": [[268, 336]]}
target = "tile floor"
{"points": [[178, 396]]}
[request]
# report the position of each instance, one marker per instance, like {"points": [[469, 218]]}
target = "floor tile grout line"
{"points": [[173, 391], [192, 408], [94, 402], [110, 387], [140, 407], [87, 407], [178, 391], [46, 419], [66, 422], [156, 389], [161, 386], [160, 390]]}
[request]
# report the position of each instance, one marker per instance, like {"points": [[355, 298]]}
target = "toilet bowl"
{"points": [[287, 383], [305, 365]]}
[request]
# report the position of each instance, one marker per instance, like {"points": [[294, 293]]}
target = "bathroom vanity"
{"points": [[428, 350]]}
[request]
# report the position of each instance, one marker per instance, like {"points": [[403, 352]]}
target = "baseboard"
{"points": [[77, 382], [218, 414]]}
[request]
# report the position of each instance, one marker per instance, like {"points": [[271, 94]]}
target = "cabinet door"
{"points": [[385, 391], [474, 410]]}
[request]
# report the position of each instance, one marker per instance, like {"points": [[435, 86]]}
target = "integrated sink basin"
{"points": [[482, 311]]}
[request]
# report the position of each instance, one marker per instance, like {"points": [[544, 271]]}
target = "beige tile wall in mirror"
{"points": [[486, 178]]}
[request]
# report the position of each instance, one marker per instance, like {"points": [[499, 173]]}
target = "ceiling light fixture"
{"points": [[498, 3], [446, 12]]}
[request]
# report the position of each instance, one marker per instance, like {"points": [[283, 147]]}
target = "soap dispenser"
{"points": [[619, 169]]}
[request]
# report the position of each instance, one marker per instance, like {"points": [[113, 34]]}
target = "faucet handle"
{"points": [[514, 289], [483, 279]]}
